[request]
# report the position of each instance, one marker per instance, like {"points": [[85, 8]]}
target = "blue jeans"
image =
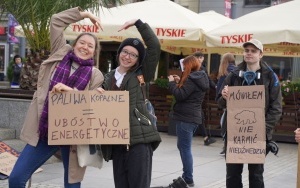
{"points": [[185, 132], [31, 158]]}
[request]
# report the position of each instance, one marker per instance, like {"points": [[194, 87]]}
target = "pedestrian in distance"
{"points": [[227, 65], [17, 67], [132, 164], [207, 137], [189, 91], [253, 53], [68, 68], [1, 68], [200, 56]]}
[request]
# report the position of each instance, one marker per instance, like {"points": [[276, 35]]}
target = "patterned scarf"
{"points": [[78, 79]]}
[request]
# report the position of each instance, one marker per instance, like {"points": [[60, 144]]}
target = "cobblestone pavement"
{"points": [[275, 167], [34, 185], [209, 168]]}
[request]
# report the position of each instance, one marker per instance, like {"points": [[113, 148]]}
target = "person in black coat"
{"points": [[212, 85], [17, 67], [189, 91], [264, 75]]}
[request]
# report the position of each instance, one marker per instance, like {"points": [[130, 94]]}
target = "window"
{"points": [[258, 2], [282, 66], [2, 61]]}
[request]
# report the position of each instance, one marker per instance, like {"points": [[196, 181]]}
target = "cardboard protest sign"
{"points": [[6, 148], [88, 117], [298, 167], [4, 165], [246, 127], [8, 158], [7, 162]]}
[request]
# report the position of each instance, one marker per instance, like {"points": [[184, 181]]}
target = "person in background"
{"points": [[189, 91], [207, 138], [253, 53], [1, 68], [68, 68], [227, 65], [17, 67], [132, 164], [200, 57]]}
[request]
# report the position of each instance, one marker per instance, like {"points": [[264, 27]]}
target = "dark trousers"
{"points": [[1, 76], [132, 168], [202, 127], [203, 130], [234, 175]]}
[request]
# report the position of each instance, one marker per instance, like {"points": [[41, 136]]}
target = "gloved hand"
{"points": [[272, 147]]}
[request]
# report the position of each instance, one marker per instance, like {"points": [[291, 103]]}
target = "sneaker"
{"points": [[209, 141], [191, 184], [223, 152], [179, 182]]}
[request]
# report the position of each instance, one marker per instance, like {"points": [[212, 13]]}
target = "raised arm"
{"points": [[61, 20], [152, 44]]}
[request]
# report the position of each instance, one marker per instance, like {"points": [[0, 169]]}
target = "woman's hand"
{"points": [[127, 24], [176, 78], [94, 19], [101, 90], [60, 87], [225, 92]]}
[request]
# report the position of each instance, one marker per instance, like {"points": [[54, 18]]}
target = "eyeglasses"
{"points": [[131, 55], [251, 50]]}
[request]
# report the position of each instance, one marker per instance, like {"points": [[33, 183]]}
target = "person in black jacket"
{"points": [[253, 52], [132, 164], [1, 68], [207, 138], [189, 92], [17, 67]]}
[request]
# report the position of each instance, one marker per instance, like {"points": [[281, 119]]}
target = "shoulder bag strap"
{"points": [[142, 85]]}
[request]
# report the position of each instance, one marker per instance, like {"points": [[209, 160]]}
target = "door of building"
{"points": [[3, 60]]}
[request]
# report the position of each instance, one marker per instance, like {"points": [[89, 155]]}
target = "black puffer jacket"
{"points": [[140, 130], [273, 95], [189, 97]]}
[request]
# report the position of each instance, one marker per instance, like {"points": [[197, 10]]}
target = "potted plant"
{"points": [[288, 87], [290, 92]]}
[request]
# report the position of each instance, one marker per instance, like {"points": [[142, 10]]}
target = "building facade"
{"points": [[10, 45]]}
